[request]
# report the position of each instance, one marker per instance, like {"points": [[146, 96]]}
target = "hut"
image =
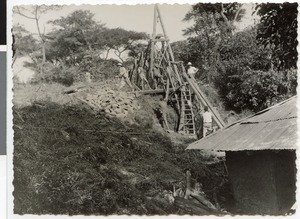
{"points": [[260, 153]]}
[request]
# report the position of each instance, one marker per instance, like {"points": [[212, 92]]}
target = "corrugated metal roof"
{"points": [[272, 128]]}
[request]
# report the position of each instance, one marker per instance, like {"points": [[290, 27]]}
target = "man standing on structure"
{"points": [[207, 121], [163, 109], [157, 75], [142, 76], [123, 74], [192, 70]]}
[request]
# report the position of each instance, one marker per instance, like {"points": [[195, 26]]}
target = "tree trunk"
{"points": [[107, 53], [42, 39], [44, 53]]}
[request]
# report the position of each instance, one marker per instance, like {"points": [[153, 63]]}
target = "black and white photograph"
{"points": [[154, 109]]}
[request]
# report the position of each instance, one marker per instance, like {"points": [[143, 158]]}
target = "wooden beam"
{"points": [[152, 42], [160, 40], [169, 46], [204, 100], [153, 91]]}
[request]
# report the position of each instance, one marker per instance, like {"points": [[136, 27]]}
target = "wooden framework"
{"points": [[156, 70]]}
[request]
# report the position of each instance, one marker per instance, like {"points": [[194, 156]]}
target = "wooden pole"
{"points": [[152, 42], [169, 46], [203, 99], [167, 89], [171, 63]]}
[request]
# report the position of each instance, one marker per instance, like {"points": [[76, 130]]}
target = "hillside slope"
{"points": [[69, 159]]}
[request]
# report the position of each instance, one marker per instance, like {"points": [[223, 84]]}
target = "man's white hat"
{"points": [[119, 64], [189, 63]]}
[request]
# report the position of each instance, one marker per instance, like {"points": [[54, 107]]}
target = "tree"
{"points": [[260, 89], [239, 54], [182, 51], [278, 30], [78, 35], [34, 13], [79, 41], [246, 79], [122, 41], [24, 42], [223, 14], [213, 23]]}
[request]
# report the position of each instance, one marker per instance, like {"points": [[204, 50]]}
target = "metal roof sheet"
{"points": [[272, 128]]}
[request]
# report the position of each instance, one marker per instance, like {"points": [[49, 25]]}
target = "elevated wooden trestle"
{"points": [[165, 75]]}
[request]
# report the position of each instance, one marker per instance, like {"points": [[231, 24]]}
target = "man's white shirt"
{"points": [[207, 117], [192, 70]]}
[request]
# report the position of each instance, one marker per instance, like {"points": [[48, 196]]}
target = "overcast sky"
{"points": [[138, 18]]}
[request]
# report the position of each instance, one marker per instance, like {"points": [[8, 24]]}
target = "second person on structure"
{"points": [[142, 76], [207, 121], [123, 74]]}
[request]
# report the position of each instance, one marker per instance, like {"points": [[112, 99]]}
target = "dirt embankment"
{"points": [[73, 156], [68, 159]]}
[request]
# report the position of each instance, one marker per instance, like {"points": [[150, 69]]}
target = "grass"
{"points": [[71, 160], [26, 94], [68, 160]]}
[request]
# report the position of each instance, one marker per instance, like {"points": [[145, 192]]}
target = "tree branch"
{"points": [[223, 15], [119, 55], [24, 15], [107, 52], [237, 14], [37, 23]]}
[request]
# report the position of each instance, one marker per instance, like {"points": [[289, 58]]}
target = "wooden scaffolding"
{"points": [[156, 71]]}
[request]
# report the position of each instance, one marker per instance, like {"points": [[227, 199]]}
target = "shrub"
{"points": [[57, 73], [256, 90], [100, 69]]}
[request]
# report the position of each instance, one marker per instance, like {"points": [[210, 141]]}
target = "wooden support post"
{"points": [[169, 46], [133, 75], [152, 42], [167, 90], [204, 100]]}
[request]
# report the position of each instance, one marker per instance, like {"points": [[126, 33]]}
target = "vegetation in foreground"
{"points": [[68, 160]]}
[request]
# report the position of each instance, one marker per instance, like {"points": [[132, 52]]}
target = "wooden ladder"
{"points": [[187, 120]]}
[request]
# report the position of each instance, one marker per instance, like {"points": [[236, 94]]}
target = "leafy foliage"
{"points": [[278, 30], [79, 35], [34, 13], [238, 64], [77, 45], [257, 90], [213, 23], [122, 41], [24, 43], [59, 74], [246, 80], [76, 34]]}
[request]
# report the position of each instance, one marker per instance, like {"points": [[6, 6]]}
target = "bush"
{"points": [[256, 90], [99, 69], [57, 73], [291, 75]]}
